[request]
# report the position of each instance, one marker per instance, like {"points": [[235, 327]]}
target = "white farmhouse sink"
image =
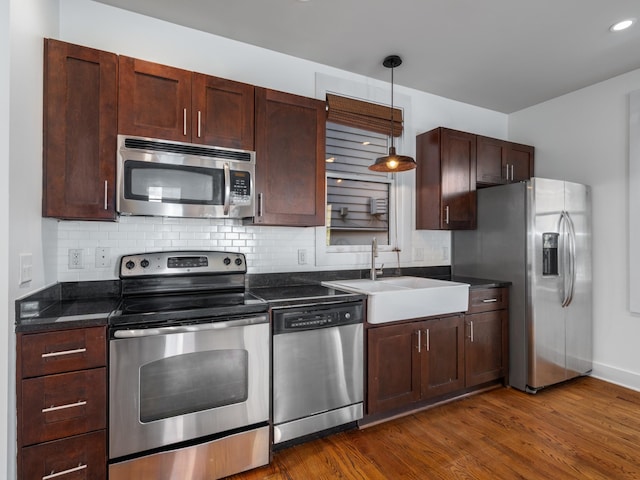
{"points": [[402, 298]]}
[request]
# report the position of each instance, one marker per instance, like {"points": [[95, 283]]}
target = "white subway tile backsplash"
{"points": [[268, 249]]}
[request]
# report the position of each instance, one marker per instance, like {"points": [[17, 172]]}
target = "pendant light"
{"points": [[393, 162]]}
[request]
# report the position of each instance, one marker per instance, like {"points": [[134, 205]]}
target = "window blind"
{"points": [[364, 115]]}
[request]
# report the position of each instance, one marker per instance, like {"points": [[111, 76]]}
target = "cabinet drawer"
{"points": [[486, 299], [75, 458], [62, 405], [63, 351]]}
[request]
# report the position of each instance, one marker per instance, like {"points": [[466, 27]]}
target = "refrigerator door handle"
{"points": [[562, 229], [572, 259], [569, 261]]}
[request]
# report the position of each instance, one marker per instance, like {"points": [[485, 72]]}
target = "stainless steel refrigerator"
{"points": [[537, 235]]}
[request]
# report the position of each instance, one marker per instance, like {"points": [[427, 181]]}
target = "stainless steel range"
{"points": [[189, 369]]}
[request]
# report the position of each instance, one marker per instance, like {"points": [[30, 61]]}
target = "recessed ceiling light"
{"points": [[622, 25]]}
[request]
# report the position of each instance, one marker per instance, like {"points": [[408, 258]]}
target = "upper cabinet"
{"points": [[80, 126], [223, 112], [452, 164], [446, 180], [160, 101], [290, 168], [501, 162]]}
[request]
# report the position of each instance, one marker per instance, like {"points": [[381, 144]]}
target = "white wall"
{"points": [[583, 137], [269, 249], [21, 178], [6, 334]]}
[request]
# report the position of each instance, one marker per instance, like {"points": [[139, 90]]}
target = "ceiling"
{"points": [[504, 55]]}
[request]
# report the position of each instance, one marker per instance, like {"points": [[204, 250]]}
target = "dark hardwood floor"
{"points": [[584, 429]]}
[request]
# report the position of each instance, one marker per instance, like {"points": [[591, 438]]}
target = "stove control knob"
{"points": [[227, 261], [129, 265], [144, 263], [238, 261]]}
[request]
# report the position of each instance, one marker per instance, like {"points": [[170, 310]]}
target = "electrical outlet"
{"points": [[418, 254], [445, 253], [26, 268], [302, 256], [75, 258], [103, 259]]}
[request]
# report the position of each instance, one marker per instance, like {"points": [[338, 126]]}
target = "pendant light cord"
{"points": [[392, 69]]}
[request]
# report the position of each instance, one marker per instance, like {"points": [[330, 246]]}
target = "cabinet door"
{"points": [[393, 363], [154, 100], [443, 359], [446, 180], [486, 347], [57, 406], [458, 180], [222, 113], [61, 351], [80, 128], [490, 169], [519, 158], [79, 457], [290, 145]]}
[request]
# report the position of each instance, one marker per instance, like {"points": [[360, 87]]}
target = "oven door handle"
{"points": [[150, 332]]}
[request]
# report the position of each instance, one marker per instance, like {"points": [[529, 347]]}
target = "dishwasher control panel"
{"points": [[295, 319]]}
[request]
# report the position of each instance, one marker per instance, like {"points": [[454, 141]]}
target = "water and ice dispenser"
{"points": [[550, 253]]}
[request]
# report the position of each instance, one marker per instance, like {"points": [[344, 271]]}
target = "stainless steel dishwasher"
{"points": [[317, 368]]}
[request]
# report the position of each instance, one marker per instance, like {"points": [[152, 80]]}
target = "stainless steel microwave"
{"points": [[174, 179]]}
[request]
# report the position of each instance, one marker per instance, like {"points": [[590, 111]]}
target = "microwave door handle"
{"points": [[227, 188]]}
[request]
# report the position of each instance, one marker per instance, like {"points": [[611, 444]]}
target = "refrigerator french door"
{"points": [[537, 235]]}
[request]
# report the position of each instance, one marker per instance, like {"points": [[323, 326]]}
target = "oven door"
{"points": [[168, 385]]}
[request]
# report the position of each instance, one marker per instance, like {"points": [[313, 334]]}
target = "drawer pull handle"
{"points": [[64, 352], [490, 300], [62, 407], [65, 472]]}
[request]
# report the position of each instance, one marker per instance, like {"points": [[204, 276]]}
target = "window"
{"points": [[358, 199]]}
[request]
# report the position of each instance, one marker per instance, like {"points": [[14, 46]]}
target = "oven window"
{"points": [[173, 183], [193, 382]]}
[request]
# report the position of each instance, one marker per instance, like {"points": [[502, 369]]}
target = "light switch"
{"points": [[26, 268]]}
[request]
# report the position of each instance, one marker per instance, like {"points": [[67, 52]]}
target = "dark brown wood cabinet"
{"points": [[413, 362], [290, 145], [223, 112], [62, 403], [80, 127], [446, 180], [487, 336], [443, 347], [500, 162], [394, 364], [169, 103], [154, 100]]}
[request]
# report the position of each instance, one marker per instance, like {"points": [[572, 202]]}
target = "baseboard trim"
{"points": [[624, 378]]}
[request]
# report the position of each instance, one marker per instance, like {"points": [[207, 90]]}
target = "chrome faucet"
{"points": [[374, 253]]}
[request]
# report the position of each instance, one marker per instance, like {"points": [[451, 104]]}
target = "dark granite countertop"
{"points": [[305, 294], [68, 305], [85, 304], [478, 283]]}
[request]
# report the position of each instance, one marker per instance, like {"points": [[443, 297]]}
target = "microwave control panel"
{"points": [[240, 187]]}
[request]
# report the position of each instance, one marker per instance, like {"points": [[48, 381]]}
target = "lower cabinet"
{"points": [[62, 404], [411, 364], [414, 361], [79, 457]]}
